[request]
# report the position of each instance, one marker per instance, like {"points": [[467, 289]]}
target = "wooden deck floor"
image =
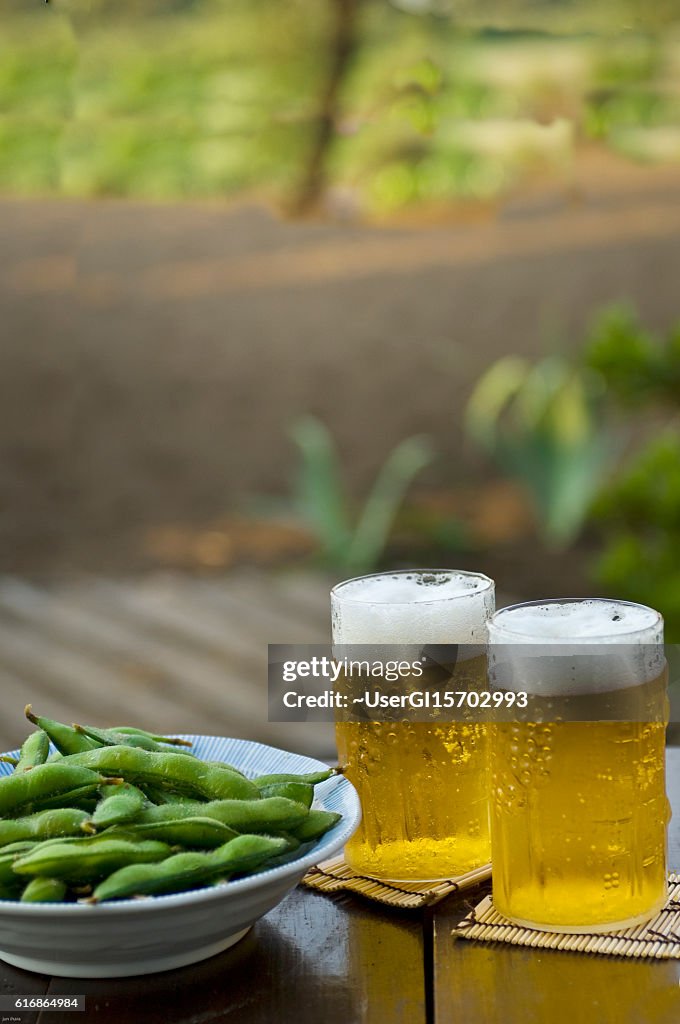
{"points": [[169, 651]]}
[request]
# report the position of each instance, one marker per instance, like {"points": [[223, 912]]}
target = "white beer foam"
{"points": [[413, 608], [577, 621], [565, 648]]}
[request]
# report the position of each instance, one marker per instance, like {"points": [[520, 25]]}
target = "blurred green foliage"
{"points": [[639, 368], [640, 518], [347, 541], [542, 425], [204, 101], [173, 98], [639, 510]]}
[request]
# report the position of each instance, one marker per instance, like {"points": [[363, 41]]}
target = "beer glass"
{"points": [[422, 784], [579, 812]]}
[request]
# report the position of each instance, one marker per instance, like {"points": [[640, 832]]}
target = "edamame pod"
{"points": [[311, 778], [44, 890], [189, 870], [22, 789], [85, 860], [274, 812], [300, 792], [84, 798], [51, 824], [8, 858], [316, 824], [34, 750], [195, 832], [120, 804], [64, 737], [177, 771], [160, 795], [108, 738], [128, 730]]}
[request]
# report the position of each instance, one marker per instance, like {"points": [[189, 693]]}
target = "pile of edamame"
{"points": [[94, 814]]}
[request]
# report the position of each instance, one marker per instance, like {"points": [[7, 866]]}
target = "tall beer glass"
{"points": [[578, 804], [422, 784]]}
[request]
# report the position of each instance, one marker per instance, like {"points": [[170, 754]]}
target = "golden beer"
{"points": [[578, 808], [423, 785], [424, 798]]}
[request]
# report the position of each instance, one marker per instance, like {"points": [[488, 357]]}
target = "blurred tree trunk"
{"points": [[343, 43]]}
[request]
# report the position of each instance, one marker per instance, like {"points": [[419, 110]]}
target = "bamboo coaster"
{"points": [[659, 938], [335, 876]]}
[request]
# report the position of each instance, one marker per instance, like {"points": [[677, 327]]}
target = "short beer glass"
{"points": [[423, 785], [579, 812]]}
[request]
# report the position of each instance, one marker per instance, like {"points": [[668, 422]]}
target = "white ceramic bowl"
{"points": [[132, 937]]}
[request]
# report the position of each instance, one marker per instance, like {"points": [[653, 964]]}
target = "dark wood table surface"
{"points": [[343, 960]]}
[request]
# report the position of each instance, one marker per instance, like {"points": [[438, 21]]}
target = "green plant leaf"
{"points": [[492, 393], [382, 504], [319, 494], [541, 425]]}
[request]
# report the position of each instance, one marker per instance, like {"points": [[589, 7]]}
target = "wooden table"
{"points": [[342, 960]]}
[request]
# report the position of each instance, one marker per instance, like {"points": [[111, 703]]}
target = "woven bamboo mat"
{"points": [[659, 938], [335, 876]]}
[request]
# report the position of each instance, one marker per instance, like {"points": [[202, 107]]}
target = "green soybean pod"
{"points": [[294, 848], [262, 815], [311, 778], [108, 738], [120, 804], [177, 771], [45, 781], [128, 730], [51, 824], [45, 890], [86, 860], [193, 833], [64, 737], [225, 764], [8, 857], [34, 750], [183, 871], [160, 795], [84, 798], [300, 792], [189, 870], [316, 824], [19, 847]]}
